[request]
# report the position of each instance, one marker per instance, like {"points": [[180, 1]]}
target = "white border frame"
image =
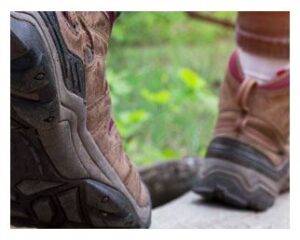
{"points": [[146, 5]]}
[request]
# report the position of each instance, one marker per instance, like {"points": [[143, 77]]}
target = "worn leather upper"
{"points": [[86, 35], [255, 115]]}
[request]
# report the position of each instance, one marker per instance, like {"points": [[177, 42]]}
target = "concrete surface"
{"points": [[190, 211]]}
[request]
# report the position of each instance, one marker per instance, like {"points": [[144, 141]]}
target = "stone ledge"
{"points": [[190, 211]]}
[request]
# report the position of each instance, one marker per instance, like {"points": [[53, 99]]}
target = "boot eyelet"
{"points": [[281, 152], [88, 54], [244, 112], [39, 76]]}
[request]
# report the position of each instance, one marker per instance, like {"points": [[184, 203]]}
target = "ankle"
{"points": [[262, 69]]}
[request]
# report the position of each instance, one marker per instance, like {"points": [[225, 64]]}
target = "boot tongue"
{"points": [[281, 81]]}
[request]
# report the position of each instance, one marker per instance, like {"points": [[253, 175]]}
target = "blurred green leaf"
{"points": [[191, 79], [118, 84], [130, 122], [171, 154], [160, 97], [134, 117]]}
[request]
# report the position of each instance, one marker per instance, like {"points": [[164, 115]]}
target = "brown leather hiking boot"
{"points": [[247, 162], [68, 167]]}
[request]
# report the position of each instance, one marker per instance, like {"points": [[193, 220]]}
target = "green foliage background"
{"points": [[164, 71]]}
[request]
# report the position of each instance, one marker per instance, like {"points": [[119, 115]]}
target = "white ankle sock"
{"points": [[262, 69]]}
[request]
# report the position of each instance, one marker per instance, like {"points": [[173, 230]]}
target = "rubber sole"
{"points": [[71, 204], [59, 177], [238, 185]]}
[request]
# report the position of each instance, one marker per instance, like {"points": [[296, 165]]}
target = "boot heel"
{"points": [[17, 47], [235, 185], [240, 175], [33, 91]]}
